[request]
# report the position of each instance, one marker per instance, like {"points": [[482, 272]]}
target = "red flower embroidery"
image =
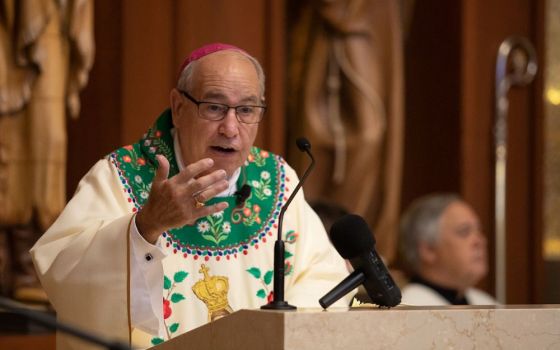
{"points": [[128, 147], [287, 267], [270, 297], [256, 208], [264, 154], [247, 212], [250, 158], [141, 161], [126, 159], [166, 309], [158, 133]]}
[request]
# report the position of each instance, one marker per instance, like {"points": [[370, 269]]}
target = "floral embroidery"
{"points": [[169, 300], [203, 226], [249, 215], [132, 158], [258, 157], [261, 187], [213, 228], [265, 281], [141, 187], [162, 147]]}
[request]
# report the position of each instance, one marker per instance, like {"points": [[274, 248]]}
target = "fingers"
{"points": [[162, 171], [209, 185], [193, 170], [214, 208], [208, 210], [203, 187]]}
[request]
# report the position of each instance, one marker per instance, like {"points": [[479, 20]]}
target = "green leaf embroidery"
{"points": [[214, 229], [287, 255], [261, 293], [156, 341], [177, 297], [163, 148], [255, 271], [210, 237], [166, 282], [173, 328], [268, 277], [180, 276], [291, 237]]}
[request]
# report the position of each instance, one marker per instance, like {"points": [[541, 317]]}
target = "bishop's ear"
{"points": [[177, 103]]}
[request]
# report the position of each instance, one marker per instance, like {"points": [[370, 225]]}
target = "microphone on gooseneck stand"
{"points": [[353, 240], [278, 302], [241, 195]]}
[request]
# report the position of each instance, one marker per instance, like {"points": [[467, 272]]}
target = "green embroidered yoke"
{"points": [[222, 234]]}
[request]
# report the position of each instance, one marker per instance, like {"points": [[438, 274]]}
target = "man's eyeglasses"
{"points": [[217, 111]]}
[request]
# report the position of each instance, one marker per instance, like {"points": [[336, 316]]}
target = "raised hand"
{"points": [[173, 202]]}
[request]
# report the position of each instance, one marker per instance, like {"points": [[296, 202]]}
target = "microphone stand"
{"points": [[278, 302], [50, 322]]}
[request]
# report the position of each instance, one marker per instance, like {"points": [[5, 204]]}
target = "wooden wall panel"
{"points": [[541, 288], [432, 97], [26, 342], [239, 23], [486, 25], [148, 69], [273, 130]]}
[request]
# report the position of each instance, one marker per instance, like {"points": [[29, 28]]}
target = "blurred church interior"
{"points": [[398, 98]]}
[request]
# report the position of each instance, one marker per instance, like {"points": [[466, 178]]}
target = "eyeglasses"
{"points": [[247, 114]]}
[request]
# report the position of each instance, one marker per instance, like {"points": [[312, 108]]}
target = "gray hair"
{"points": [[185, 79], [421, 223]]}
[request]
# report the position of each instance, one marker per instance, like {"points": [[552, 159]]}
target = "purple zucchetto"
{"points": [[205, 51]]}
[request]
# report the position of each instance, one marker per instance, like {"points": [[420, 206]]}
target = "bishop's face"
{"points": [[225, 77]]}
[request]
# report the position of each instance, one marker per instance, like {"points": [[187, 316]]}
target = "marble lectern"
{"points": [[404, 327]]}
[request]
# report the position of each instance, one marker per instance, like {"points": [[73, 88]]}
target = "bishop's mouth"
{"points": [[224, 150]]}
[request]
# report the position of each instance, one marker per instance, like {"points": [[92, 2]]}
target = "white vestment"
{"points": [[420, 295], [84, 263]]}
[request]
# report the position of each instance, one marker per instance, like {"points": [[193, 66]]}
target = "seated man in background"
{"points": [[157, 239], [443, 248]]}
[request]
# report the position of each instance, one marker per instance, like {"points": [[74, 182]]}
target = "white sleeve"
{"points": [[83, 259], [83, 262], [146, 283]]}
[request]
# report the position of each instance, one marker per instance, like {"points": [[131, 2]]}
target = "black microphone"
{"points": [[278, 302], [242, 194], [353, 240], [51, 322]]}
